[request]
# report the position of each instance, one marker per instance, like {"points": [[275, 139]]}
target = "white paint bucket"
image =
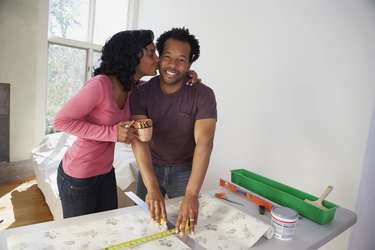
{"points": [[283, 221]]}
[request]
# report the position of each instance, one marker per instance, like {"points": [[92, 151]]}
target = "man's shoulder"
{"points": [[149, 83], [201, 88]]}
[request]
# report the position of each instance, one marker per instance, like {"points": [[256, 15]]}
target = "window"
{"points": [[77, 31]]}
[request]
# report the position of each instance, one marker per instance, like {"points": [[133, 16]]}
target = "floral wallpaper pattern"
{"points": [[220, 226]]}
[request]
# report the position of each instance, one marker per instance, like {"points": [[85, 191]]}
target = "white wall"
{"points": [[18, 56], [294, 83]]}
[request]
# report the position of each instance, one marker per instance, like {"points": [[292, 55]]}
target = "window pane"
{"points": [[69, 19], [96, 59], [66, 74], [110, 17]]}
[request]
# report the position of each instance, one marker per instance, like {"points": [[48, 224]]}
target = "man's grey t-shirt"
{"points": [[173, 116]]}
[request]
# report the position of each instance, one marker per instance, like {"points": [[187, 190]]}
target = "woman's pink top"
{"points": [[91, 115]]}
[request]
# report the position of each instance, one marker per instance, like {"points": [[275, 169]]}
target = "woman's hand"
{"points": [[125, 132], [193, 78], [188, 213]]}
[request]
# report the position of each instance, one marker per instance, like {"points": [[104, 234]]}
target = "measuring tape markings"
{"points": [[145, 239], [141, 240]]}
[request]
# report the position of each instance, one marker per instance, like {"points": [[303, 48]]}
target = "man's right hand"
{"points": [[156, 205]]}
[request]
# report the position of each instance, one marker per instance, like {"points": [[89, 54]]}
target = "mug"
{"points": [[144, 129]]}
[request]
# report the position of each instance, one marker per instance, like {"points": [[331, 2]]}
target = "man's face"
{"points": [[174, 62]]}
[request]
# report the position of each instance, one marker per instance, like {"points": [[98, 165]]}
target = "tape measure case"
{"points": [[284, 195]]}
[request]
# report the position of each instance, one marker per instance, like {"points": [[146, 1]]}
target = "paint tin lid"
{"points": [[284, 213]]}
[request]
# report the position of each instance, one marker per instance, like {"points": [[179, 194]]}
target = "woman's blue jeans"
{"points": [[172, 181], [81, 196]]}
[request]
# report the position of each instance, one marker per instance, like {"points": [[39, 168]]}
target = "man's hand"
{"points": [[189, 209], [156, 205]]}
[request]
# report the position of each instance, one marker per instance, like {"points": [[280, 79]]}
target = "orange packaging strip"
{"points": [[245, 194]]}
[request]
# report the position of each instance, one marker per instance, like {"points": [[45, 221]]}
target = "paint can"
{"points": [[283, 221]]}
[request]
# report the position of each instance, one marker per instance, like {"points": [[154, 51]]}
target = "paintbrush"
{"points": [[318, 203]]}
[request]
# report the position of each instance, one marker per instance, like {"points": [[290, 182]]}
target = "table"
{"points": [[308, 234]]}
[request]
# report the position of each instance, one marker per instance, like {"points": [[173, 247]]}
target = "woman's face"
{"points": [[148, 63]]}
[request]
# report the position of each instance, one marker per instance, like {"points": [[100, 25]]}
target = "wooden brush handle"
{"points": [[326, 193]]}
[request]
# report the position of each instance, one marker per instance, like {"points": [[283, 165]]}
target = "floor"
{"points": [[22, 203], [14, 171]]}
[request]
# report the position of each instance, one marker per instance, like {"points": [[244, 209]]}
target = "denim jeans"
{"points": [[172, 181], [81, 196]]}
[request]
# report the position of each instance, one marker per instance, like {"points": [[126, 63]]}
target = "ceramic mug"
{"points": [[144, 129]]}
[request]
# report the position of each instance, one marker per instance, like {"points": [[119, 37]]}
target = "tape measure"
{"points": [[145, 239], [141, 240]]}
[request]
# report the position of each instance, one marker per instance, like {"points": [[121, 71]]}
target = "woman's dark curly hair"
{"points": [[121, 55], [181, 34]]}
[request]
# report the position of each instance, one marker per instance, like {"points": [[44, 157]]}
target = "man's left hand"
{"points": [[188, 212]]}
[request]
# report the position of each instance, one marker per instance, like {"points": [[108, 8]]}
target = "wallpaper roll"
{"points": [[222, 226], [269, 233]]}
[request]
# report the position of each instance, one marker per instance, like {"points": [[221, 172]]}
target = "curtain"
{"points": [[362, 234]]}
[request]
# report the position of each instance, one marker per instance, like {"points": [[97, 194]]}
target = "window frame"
{"points": [[42, 64], [89, 47]]}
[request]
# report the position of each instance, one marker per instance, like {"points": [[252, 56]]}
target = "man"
{"points": [[175, 161]]}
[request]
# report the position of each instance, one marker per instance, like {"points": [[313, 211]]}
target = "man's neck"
{"points": [[170, 88]]}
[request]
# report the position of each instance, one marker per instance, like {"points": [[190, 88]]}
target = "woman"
{"points": [[98, 115]]}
